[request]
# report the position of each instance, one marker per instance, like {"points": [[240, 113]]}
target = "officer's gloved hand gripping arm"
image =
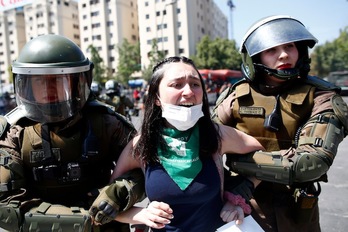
{"points": [[312, 157], [119, 196]]}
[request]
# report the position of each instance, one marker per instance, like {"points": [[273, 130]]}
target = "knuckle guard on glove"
{"points": [[239, 185], [105, 208]]}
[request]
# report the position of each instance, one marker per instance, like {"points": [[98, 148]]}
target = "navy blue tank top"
{"points": [[197, 208]]}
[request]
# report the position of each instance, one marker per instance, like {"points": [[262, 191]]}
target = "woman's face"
{"points": [[284, 56], [180, 85], [51, 88]]}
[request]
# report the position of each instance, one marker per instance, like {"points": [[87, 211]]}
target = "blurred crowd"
{"points": [[7, 103], [123, 99]]}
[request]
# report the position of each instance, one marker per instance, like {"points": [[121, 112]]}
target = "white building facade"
{"points": [[12, 39], [105, 25], [178, 25], [52, 17], [20, 24]]}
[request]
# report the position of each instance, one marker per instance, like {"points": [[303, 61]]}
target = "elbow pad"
{"points": [[317, 148], [266, 166], [323, 132], [274, 167], [319, 140]]}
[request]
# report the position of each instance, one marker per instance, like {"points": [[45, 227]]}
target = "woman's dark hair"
{"points": [[153, 123]]}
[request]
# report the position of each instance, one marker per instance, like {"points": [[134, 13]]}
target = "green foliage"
{"points": [[332, 56], [154, 56], [217, 54], [129, 60], [99, 70]]}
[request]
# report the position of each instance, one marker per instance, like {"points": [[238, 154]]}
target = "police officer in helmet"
{"points": [[115, 97], [96, 88], [299, 119], [59, 145]]}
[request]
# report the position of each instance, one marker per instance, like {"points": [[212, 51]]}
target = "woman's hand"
{"points": [[156, 215], [232, 212]]}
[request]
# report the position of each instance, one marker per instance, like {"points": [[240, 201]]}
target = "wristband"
{"points": [[237, 200]]}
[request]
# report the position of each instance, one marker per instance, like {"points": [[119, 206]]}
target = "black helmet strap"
{"points": [[301, 69], [285, 74]]}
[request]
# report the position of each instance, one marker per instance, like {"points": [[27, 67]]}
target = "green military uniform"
{"points": [[59, 146], [115, 97], [119, 103], [300, 121], [84, 150], [308, 116]]}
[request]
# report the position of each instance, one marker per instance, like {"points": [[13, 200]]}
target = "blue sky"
{"points": [[323, 18]]}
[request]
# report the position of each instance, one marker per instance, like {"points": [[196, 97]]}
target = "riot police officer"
{"points": [[299, 119], [96, 88], [59, 145], [115, 97]]}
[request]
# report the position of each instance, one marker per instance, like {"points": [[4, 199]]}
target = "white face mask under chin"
{"points": [[182, 118]]}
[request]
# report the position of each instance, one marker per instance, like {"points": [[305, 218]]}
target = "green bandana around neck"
{"points": [[181, 160]]}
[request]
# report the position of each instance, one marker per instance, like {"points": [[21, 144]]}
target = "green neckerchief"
{"points": [[181, 160]]}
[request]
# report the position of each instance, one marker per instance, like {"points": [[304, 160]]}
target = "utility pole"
{"points": [[231, 6]]}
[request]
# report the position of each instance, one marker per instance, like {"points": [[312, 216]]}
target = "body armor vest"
{"points": [[251, 108], [79, 160]]}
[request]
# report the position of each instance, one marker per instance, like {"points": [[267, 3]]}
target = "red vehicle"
{"points": [[221, 75], [214, 79]]}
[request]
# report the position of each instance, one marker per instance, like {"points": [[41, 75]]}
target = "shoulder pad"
{"points": [[103, 107], [15, 115], [321, 84], [243, 80]]}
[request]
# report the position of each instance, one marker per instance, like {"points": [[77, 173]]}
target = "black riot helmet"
{"points": [[271, 32], [52, 79]]}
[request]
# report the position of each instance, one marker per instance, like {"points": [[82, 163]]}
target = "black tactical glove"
{"points": [[239, 185], [126, 190], [245, 188]]}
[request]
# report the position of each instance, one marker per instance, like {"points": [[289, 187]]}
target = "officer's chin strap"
{"points": [[273, 121], [284, 74]]}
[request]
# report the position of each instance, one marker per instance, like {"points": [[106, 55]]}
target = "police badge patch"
{"points": [[251, 110]]}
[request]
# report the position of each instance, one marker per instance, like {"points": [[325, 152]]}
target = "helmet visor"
{"points": [[51, 98], [275, 33]]}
